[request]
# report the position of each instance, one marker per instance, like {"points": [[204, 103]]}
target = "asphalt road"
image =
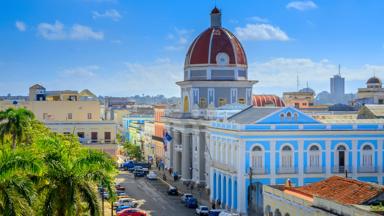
{"points": [[152, 196]]}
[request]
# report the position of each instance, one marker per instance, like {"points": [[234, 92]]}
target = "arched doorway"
{"points": [[341, 158], [186, 104], [255, 199]]}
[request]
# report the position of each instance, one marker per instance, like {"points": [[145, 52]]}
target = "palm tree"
{"points": [[14, 122], [72, 179], [16, 186]]}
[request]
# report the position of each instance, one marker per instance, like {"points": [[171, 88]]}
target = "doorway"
{"points": [[94, 137]]}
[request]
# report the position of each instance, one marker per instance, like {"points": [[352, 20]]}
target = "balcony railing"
{"points": [[310, 170], [260, 171], [341, 169], [287, 170], [367, 169]]}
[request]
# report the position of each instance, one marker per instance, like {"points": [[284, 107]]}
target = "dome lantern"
{"points": [[215, 18]]}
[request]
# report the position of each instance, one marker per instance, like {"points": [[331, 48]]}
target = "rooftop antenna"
{"points": [[339, 70], [307, 84]]}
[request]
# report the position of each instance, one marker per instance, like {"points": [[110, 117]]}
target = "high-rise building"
{"points": [[337, 86]]}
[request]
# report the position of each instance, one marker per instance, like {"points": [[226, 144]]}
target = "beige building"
{"points": [[301, 99], [69, 112]]}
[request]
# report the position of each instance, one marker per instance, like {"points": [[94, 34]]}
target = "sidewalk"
{"points": [[200, 193]]}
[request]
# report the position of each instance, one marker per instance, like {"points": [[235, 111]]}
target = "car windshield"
{"points": [[204, 208]]}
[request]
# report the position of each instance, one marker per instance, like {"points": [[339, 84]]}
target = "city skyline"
{"points": [[115, 48]]}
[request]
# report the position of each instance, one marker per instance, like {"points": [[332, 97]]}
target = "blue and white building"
{"points": [[260, 146]]}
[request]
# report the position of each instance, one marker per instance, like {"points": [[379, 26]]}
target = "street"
{"points": [[152, 196]]}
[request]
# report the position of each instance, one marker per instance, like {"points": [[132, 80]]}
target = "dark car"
{"points": [[214, 212], [172, 191], [119, 187], [191, 202], [139, 173]]}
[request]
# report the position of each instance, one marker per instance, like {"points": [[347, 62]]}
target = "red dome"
{"points": [[267, 100], [205, 48]]}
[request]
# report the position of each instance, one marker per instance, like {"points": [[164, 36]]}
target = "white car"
{"points": [[125, 202], [152, 176], [202, 210], [225, 213], [185, 196]]}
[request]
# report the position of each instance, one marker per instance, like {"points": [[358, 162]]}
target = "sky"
{"points": [[127, 47]]}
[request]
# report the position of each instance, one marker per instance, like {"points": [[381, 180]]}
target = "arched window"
{"points": [[277, 212], [257, 158], [282, 116], [289, 114], [341, 156], [367, 156], [295, 116], [268, 211], [286, 162], [314, 158]]}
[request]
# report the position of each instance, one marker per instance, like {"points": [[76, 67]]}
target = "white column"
{"points": [[272, 164], [301, 162], [328, 158], [233, 192], [379, 160], [211, 174], [186, 163], [354, 159], [241, 187]]}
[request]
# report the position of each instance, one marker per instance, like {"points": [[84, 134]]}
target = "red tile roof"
{"points": [[264, 100], [342, 190]]}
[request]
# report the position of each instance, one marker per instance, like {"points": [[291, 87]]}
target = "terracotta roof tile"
{"points": [[342, 190]]}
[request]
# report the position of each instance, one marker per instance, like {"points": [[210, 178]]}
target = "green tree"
{"points": [[17, 193], [14, 122], [72, 176], [133, 151]]}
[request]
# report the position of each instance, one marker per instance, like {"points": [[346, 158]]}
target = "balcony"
{"points": [[260, 171], [314, 170], [367, 169], [341, 169], [287, 170]]}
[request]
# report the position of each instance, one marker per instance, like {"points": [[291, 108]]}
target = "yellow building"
{"points": [[301, 99], [69, 112]]}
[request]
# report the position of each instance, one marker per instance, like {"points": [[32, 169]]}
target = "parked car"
{"points": [[126, 202], [132, 212], [152, 176], [191, 202], [185, 197], [121, 193], [119, 187], [146, 170], [138, 173], [105, 195], [215, 212], [172, 191], [225, 213], [202, 210]]}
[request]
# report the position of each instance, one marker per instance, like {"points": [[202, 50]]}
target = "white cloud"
{"points": [[111, 14], [153, 78], [83, 72], [280, 74], [80, 32], [301, 5], [261, 32], [57, 31], [21, 26], [179, 39], [52, 31], [258, 19]]}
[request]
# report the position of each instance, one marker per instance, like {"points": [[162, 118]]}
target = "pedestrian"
{"points": [[213, 205]]}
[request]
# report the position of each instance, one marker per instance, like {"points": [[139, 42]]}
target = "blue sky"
{"points": [[122, 48]]}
